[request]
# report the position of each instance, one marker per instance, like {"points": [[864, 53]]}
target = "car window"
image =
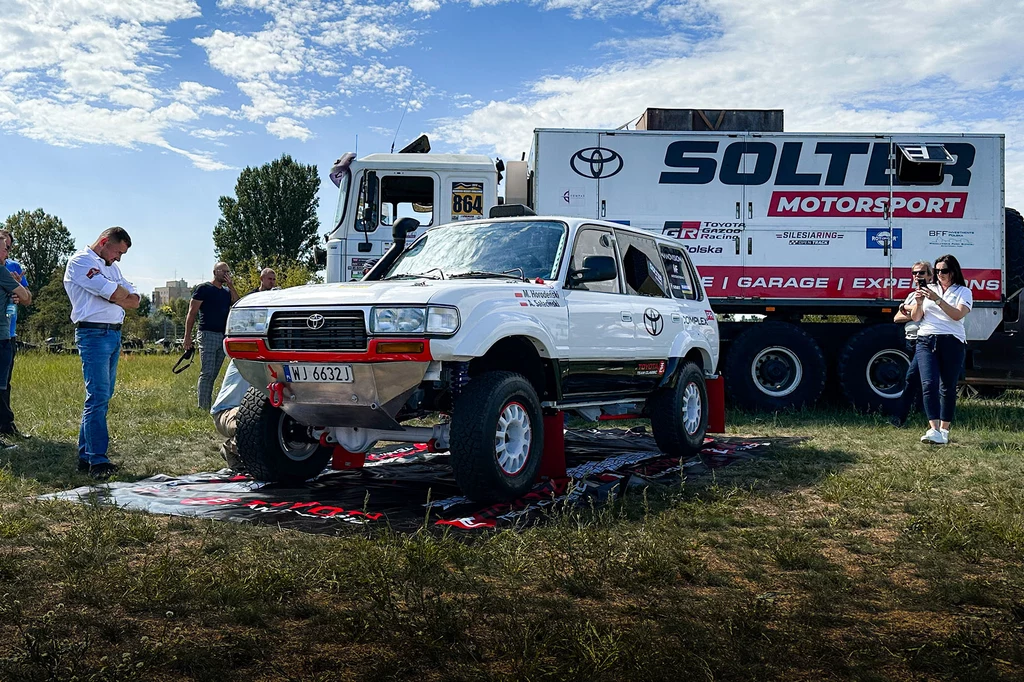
{"points": [[594, 242], [680, 280], [641, 266]]}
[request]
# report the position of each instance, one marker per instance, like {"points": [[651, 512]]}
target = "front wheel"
{"points": [[679, 415], [497, 437], [273, 446]]}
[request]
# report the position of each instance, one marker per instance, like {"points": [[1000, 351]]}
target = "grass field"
{"points": [[858, 554]]}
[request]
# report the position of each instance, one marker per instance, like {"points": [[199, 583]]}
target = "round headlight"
{"points": [[410, 320], [387, 320]]}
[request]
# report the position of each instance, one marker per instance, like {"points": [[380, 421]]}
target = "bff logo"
{"points": [[92, 273]]}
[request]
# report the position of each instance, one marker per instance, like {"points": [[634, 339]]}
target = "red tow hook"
{"points": [[276, 390]]}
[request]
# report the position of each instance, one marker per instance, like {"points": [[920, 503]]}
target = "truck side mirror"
{"points": [[319, 256], [371, 212], [595, 269]]}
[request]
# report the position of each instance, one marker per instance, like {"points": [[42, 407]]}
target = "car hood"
{"points": [[411, 291]]}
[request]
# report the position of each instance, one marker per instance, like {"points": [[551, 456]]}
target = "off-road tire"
{"points": [[744, 391], [259, 441], [474, 430], [1014, 251], [885, 346], [667, 409]]}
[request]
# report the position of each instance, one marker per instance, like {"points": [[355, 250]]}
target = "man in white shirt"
{"points": [[99, 296]]}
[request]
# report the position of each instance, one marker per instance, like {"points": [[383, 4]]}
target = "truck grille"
{"points": [[341, 330]]}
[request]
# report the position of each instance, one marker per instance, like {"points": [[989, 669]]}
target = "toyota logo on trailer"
{"points": [[315, 321], [596, 162]]}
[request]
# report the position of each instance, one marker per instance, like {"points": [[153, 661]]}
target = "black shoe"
{"points": [[17, 433], [102, 471], [6, 444], [897, 421], [83, 466]]}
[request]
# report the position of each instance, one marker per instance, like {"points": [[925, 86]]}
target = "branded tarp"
{"points": [[407, 486]]}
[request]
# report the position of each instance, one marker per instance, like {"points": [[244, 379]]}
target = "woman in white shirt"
{"points": [[941, 343]]}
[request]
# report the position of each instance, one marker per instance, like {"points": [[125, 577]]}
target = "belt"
{"points": [[99, 325]]}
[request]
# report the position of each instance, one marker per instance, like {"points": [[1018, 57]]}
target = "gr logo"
{"points": [[596, 162]]}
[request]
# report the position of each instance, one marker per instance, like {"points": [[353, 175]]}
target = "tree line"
{"points": [[271, 221]]}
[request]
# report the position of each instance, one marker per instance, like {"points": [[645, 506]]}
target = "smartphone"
{"points": [[921, 282]]}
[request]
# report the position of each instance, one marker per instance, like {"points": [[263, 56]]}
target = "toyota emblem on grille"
{"points": [[315, 321]]}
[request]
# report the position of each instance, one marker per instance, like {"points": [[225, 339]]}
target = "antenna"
{"points": [[399, 128]]}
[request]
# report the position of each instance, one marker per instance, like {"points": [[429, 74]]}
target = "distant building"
{"points": [[172, 292]]}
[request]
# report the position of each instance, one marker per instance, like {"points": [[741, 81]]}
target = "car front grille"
{"points": [[294, 330]]}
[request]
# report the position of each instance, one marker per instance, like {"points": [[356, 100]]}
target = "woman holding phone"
{"points": [[940, 309]]}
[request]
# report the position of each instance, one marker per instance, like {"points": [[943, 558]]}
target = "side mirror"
{"points": [[371, 212], [320, 256], [595, 269]]}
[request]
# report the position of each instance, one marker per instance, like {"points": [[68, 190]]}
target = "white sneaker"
{"points": [[945, 434], [934, 436]]}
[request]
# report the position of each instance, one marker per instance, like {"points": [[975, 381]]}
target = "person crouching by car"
{"points": [[941, 343], [922, 273], [225, 411]]}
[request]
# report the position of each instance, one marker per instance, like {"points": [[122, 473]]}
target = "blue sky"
{"points": [[142, 112]]}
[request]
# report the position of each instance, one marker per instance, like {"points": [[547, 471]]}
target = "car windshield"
{"points": [[532, 248]]}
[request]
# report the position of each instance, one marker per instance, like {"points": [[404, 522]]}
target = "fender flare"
{"points": [[500, 326], [685, 343]]}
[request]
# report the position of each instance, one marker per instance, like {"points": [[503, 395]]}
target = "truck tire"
{"points": [[497, 437], [774, 366], [273, 446], [873, 368], [679, 415], [1014, 251]]}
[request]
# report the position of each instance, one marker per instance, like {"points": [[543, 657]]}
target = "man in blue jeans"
{"points": [[10, 285], [8, 429], [99, 296]]}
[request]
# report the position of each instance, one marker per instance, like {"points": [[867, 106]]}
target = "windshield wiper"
{"points": [[424, 275], [484, 274]]}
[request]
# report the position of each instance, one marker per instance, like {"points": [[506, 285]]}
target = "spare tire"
{"points": [[774, 366], [1014, 251]]}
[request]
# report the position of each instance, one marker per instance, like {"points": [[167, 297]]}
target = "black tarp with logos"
{"points": [[407, 486]]}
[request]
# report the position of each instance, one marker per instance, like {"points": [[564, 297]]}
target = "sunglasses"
{"points": [[919, 273], [942, 271]]}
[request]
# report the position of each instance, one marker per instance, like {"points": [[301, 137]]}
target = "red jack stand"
{"points": [[343, 459], [716, 404], [552, 462]]}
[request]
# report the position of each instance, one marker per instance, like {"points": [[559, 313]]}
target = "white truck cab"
{"points": [[493, 323]]}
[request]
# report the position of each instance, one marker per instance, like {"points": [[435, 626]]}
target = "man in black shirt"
{"points": [[211, 301]]}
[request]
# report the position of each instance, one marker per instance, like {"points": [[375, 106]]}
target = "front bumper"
{"points": [[381, 384]]}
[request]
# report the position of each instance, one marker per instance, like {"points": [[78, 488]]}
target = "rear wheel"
{"points": [[774, 366], [497, 437], [873, 368], [1014, 251], [679, 415], [273, 446]]}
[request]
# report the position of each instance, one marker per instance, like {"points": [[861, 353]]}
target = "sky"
{"points": [[141, 113]]}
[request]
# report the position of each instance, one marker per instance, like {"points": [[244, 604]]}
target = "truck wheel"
{"points": [[774, 366], [1014, 251], [873, 368], [273, 446], [497, 437], [679, 415]]}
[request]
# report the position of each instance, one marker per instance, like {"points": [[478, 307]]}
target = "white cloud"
{"points": [[208, 134], [283, 127], [424, 5], [190, 92]]}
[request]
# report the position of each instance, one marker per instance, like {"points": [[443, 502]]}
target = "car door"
{"points": [[601, 323], [656, 317]]}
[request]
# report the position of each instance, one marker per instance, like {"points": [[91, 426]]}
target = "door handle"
{"points": [[737, 245], [626, 317], [750, 245], [750, 209], [676, 317], [737, 210], [603, 211]]}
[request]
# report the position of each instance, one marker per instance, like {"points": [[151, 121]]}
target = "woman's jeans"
{"points": [[940, 358], [100, 350]]}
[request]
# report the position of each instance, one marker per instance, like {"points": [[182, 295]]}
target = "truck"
{"points": [[804, 241]]}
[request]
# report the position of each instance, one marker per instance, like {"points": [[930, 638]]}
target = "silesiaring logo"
{"points": [[596, 162]]}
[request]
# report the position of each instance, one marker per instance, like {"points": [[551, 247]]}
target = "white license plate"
{"points": [[318, 374]]}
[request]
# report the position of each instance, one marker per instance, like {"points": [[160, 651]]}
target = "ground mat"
{"points": [[407, 486]]}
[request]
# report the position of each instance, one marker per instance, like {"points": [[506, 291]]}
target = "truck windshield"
{"points": [[534, 247]]}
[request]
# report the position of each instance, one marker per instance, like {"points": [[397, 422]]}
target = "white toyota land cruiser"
{"points": [[492, 323]]}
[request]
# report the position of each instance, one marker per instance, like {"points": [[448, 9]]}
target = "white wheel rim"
{"points": [[297, 451], [512, 439], [692, 408], [776, 371], [885, 372]]}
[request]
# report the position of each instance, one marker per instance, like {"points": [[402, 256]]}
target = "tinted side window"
{"points": [[679, 277], [592, 242], [641, 265]]}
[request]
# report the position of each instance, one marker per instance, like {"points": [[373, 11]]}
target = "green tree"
{"points": [[42, 245], [145, 306], [272, 215], [52, 312], [247, 274]]}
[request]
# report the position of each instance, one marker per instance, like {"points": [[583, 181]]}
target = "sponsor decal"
{"points": [[695, 229], [703, 248], [709, 314], [951, 238], [596, 162], [843, 204], [92, 273], [825, 282], [540, 298], [574, 197], [654, 323], [809, 237], [467, 199], [654, 368], [880, 237]]}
